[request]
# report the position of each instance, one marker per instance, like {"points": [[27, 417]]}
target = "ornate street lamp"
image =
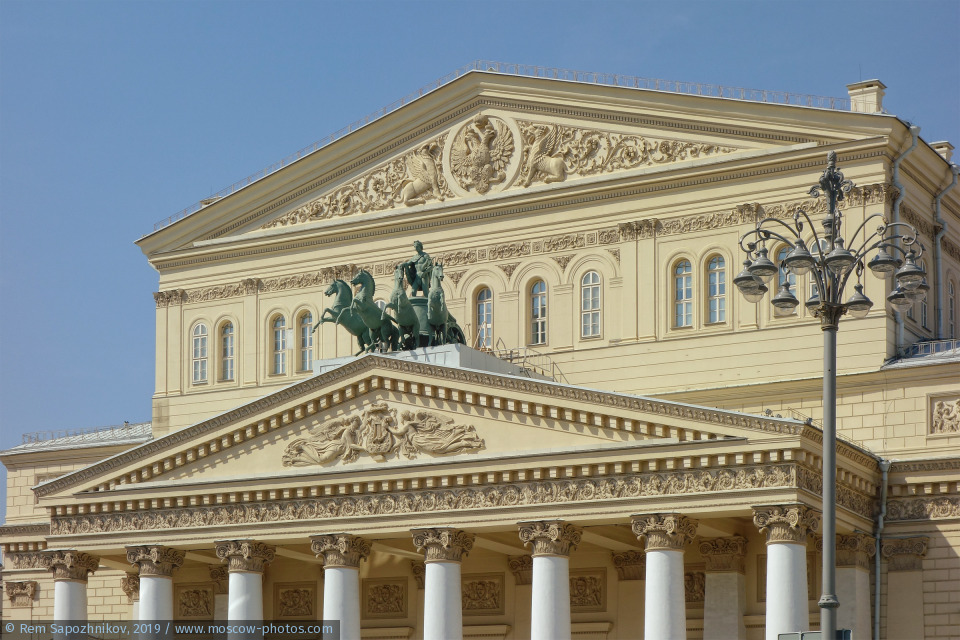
{"points": [[831, 264]]}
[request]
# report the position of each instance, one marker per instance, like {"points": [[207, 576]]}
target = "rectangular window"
{"points": [[718, 296], [306, 346], [227, 353]]}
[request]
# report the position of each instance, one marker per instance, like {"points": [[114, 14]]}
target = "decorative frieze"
{"points": [[376, 431], [70, 564], [951, 249], [522, 569], [508, 269], [384, 598], [627, 486], [904, 554], [588, 590], [443, 544], [194, 601], [853, 550], [508, 250], [937, 508], [630, 565], [24, 560], [945, 416], [664, 531], [130, 585], [786, 523], [295, 600], [33, 529], [922, 225], [724, 554], [169, 298], [550, 537], [340, 549], [245, 555], [482, 594], [155, 560], [638, 230], [21, 592], [694, 586], [563, 261]]}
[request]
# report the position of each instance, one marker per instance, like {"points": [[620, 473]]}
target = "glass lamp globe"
{"points": [[799, 261], [762, 267], [859, 305]]}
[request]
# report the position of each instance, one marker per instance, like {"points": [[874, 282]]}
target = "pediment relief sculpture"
{"points": [[377, 432], [490, 153]]}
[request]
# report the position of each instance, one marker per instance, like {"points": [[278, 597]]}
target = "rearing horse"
{"points": [[342, 314], [382, 329], [403, 311], [443, 325]]}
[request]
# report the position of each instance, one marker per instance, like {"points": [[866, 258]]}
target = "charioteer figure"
{"points": [[418, 270]]}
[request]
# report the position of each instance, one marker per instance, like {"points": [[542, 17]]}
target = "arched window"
{"points": [[590, 305], [226, 351], [716, 290], [484, 318], [951, 310], [538, 313], [200, 354], [785, 276], [279, 345], [683, 294], [306, 341]]}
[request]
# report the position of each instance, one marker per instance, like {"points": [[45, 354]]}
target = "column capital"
{"points": [[904, 554], [442, 544], [723, 555], [630, 565], [130, 584], [340, 549], [786, 523], [156, 559], [664, 531], [522, 569], [550, 537], [21, 592], [419, 573], [245, 555], [853, 549], [69, 564]]}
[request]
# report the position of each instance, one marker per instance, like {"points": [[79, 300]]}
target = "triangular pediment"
{"points": [[378, 413], [485, 137]]}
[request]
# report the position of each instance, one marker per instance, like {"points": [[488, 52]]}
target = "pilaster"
{"points": [[21, 593], [904, 557], [725, 597]]}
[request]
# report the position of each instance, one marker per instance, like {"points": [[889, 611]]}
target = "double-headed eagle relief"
{"points": [[480, 153], [488, 153], [377, 432]]}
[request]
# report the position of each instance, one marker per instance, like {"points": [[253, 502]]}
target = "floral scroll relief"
{"points": [[377, 432], [410, 179], [552, 152]]}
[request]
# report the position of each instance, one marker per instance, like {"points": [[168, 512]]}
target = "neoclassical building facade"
{"points": [[624, 448]]}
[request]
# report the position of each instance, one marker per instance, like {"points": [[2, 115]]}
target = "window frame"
{"points": [[278, 341], [484, 314], [305, 341], [593, 310], [682, 302], [538, 312], [200, 364], [721, 296], [227, 360]]}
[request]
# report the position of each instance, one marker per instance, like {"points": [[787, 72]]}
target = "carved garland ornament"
{"points": [[340, 549], [155, 560], [245, 555], [941, 508], [550, 537], [787, 523], [482, 594], [442, 544], [627, 486], [664, 531], [376, 431], [70, 565]]}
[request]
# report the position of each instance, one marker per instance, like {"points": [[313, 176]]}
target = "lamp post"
{"points": [[831, 264]]}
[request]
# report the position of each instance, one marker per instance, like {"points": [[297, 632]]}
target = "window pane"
{"points": [[590, 305]]}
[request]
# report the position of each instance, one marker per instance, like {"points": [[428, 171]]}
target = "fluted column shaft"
{"points": [[443, 550], [725, 601], [156, 564], [551, 542], [665, 536], [342, 554], [246, 560], [786, 528], [70, 571]]}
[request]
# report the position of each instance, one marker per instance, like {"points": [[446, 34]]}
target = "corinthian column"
{"points": [[130, 584], [551, 542], [246, 560], [156, 564], [342, 554], [443, 549], [664, 607], [70, 571], [786, 527], [725, 601]]}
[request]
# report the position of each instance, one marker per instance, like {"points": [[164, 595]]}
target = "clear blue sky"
{"points": [[114, 115]]}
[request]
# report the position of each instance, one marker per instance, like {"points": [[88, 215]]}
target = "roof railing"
{"points": [[928, 348], [90, 433], [534, 71]]}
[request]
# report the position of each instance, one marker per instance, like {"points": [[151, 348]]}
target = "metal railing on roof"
{"points": [[534, 71], [929, 348], [530, 360], [88, 434]]}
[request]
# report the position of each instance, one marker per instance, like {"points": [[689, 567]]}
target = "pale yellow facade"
{"points": [[595, 191]]}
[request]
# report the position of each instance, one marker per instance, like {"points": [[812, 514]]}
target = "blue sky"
{"points": [[114, 115]]}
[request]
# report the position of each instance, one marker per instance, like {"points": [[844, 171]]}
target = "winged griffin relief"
{"points": [[551, 152], [377, 432], [480, 153], [410, 179]]}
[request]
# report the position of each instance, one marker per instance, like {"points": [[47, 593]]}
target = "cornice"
{"points": [[914, 466], [403, 370], [471, 210], [31, 529]]}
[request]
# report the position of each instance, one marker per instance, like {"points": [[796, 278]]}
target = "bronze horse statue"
{"points": [[444, 327], [342, 313], [403, 312], [383, 331]]}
